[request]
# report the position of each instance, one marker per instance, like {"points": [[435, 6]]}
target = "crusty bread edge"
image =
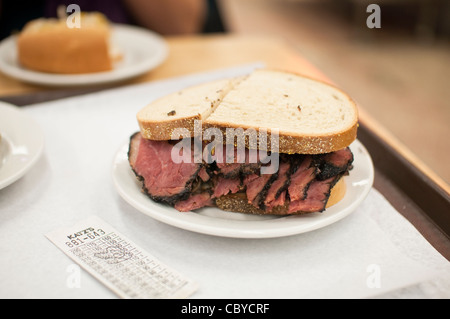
{"points": [[163, 131], [237, 203], [296, 144]]}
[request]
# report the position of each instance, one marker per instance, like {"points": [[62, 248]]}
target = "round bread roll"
{"points": [[49, 45]]}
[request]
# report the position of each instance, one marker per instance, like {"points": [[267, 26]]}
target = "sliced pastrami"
{"points": [[333, 164], [163, 179], [302, 183], [229, 170], [225, 186], [317, 197], [301, 178], [203, 174], [278, 187], [194, 202], [257, 188], [280, 201], [239, 162], [253, 185]]}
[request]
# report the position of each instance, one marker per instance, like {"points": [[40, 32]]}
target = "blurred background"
{"points": [[399, 72]]}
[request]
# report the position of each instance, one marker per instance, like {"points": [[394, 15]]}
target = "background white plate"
{"points": [[21, 145], [142, 51], [214, 221]]}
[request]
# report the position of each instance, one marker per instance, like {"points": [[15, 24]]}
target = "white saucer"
{"points": [[21, 145], [142, 51]]}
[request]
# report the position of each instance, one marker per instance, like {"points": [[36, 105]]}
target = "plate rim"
{"points": [[73, 80], [34, 157], [187, 220]]}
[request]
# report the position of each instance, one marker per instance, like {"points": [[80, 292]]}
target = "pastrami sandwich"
{"points": [[272, 142]]}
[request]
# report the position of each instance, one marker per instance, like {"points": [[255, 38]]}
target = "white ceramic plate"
{"points": [[21, 145], [214, 221], [142, 51]]}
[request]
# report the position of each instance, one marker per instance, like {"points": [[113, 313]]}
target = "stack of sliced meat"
{"points": [[302, 183]]}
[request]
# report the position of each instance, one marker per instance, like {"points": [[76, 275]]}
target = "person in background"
{"points": [[167, 17]]}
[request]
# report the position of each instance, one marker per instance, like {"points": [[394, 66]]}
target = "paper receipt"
{"points": [[118, 263]]}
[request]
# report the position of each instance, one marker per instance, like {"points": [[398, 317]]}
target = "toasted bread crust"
{"points": [[298, 144], [163, 131], [288, 144]]}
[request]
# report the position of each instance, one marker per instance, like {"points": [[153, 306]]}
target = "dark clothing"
{"points": [[113, 9], [14, 14], [213, 21]]}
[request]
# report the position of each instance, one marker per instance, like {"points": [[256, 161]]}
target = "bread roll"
{"points": [[49, 45]]}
